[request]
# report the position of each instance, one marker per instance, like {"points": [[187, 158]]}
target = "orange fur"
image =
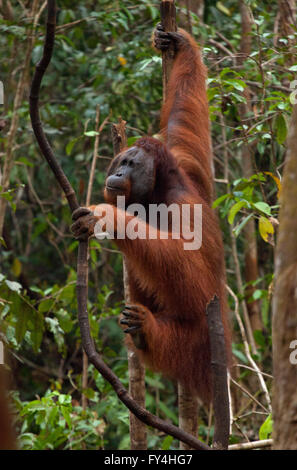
{"points": [[175, 285]]}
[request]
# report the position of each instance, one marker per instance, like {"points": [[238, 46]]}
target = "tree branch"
{"points": [[168, 19]]}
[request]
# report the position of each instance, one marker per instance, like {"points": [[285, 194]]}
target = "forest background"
{"points": [[104, 68]]}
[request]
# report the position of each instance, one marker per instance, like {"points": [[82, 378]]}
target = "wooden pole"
{"points": [[138, 430], [168, 20], [187, 403]]}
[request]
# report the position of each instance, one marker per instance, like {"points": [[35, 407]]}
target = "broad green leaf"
{"points": [[240, 355], [240, 226], [67, 293], [237, 84], [262, 207], [167, 443], [234, 209], [281, 128], [266, 428], [212, 92], [218, 201], [45, 305], [64, 320]]}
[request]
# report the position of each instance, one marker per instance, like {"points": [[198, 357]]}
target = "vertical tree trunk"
{"points": [[168, 18], [287, 17], [187, 414], [286, 24], [7, 436], [284, 325], [138, 430], [187, 403]]}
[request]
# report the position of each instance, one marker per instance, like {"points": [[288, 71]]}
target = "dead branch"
{"points": [[251, 445]]}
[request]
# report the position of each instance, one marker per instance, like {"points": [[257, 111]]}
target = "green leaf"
{"points": [[67, 293], [70, 145], [262, 207], [14, 286], [266, 428], [73, 246], [91, 133], [45, 305], [237, 84], [234, 209], [220, 6], [132, 140], [212, 92], [281, 128], [64, 320], [240, 226], [240, 355], [54, 327], [154, 12], [265, 311], [257, 294], [218, 201], [227, 70], [167, 443], [259, 338]]}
